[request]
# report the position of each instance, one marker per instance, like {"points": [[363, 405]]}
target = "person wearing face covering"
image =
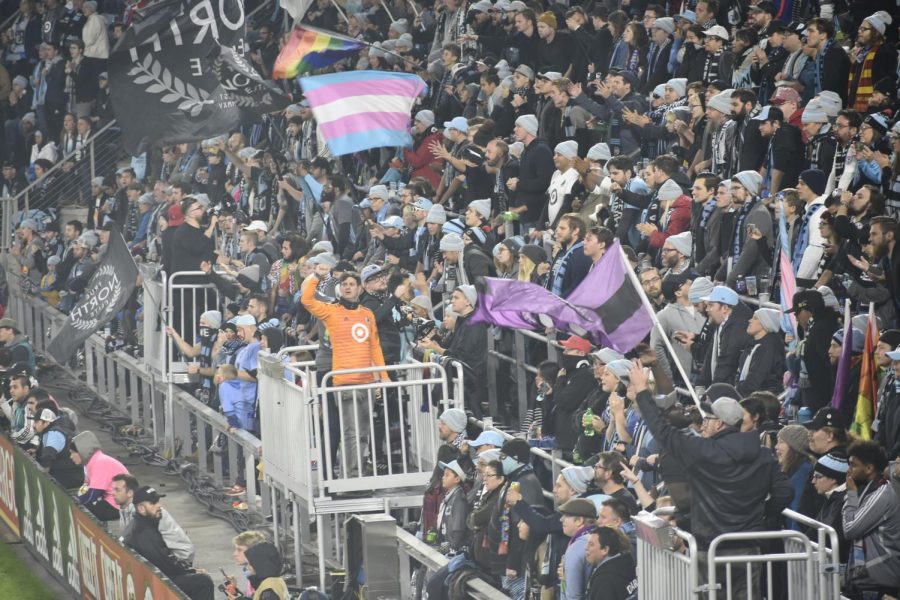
{"points": [[203, 351], [264, 566], [575, 382]]}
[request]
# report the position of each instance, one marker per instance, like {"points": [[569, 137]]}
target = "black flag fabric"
{"points": [[179, 75], [107, 293]]}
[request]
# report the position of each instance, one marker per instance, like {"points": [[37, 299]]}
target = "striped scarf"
{"points": [[711, 66], [559, 269], [746, 207], [865, 87], [814, 148], [840, 160]]}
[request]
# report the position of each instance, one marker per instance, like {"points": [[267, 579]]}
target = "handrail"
{"points": [[59, 163], [8, 22]]}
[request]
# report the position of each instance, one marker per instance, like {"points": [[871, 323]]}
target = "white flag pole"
{"points": [[662, 334]]}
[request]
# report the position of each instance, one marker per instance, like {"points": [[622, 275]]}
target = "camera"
{"points": [[222, 208]]}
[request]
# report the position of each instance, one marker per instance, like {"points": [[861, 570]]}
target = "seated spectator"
{"points": [[614, 513], [99, 469], [264, 573], [147, 540], [123, 488], [871, 520], [575, 381], [479, 519], [56, 431], [830, 480], [792, 452], [242, 542]]}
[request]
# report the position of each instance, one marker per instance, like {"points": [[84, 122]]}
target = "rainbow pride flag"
{"points": [[358, 110], [309, 49]]}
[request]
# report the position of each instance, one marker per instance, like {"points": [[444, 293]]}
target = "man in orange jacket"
{"points": [[354, 336]]}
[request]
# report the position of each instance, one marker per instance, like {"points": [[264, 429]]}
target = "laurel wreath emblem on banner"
{"points": [[159, 80], [101, 298]]}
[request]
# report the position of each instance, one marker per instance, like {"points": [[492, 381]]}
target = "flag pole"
{"points": [[341, 11], [662, 334]]}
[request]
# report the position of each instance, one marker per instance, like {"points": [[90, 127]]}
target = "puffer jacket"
{"points": [[735, 481], [58, 462]]}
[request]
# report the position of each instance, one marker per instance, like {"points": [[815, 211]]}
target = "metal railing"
{"points": [[97, 159], [669, 562]]}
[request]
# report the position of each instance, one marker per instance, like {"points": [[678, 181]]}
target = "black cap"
{"points": [[517, 449], [798, 27], [827, 417], [810, 300], [720, 390], [146, 494], [765, 6]]}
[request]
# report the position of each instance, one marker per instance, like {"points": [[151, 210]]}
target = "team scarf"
{"points": [[820, 64], [739, 235], [865, 88], [711, 66], [814, 148]]}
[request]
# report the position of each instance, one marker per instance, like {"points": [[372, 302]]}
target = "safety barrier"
{"points": [[67, 540], [670, 565], [180, 423]]}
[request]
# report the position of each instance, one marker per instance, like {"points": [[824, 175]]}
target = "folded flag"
{"points": [[309, 49], [868, 382], [788, 281], [358, 110], [296, 8], [620, 320]]}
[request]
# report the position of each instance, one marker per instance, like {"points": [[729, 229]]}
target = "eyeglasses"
{"points": [[486, 475], [866, 28], [816, 476]]}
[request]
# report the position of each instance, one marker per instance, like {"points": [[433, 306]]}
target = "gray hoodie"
{"points": [[86, 444]]}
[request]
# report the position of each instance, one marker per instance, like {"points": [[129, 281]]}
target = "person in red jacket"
{"points": [[674, 214], [422, 162]]}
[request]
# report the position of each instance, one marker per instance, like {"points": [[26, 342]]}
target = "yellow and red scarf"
{"points": [[866, 86]]}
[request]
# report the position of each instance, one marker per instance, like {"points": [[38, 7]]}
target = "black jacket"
{"points": [[735, 481], [766, 369], [836, 71], [535, 169], [816, 391], [733, 339], [60, 465], [145, 538], [387, 316], [615, 579], [570, 392], [477, 264], [532, 494]]}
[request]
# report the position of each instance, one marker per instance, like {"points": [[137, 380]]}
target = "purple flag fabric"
{"points": [[604, 307], [620, 317], [843, 366]]}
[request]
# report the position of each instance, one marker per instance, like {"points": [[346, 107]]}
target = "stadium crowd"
{"points": [[720, 142]]}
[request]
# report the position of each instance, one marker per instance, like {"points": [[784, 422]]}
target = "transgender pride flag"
{"points": [[359, 110], [788, 280]]}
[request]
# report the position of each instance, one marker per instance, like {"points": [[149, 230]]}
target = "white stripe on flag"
{"points": [[296, 8], [333, 111]]}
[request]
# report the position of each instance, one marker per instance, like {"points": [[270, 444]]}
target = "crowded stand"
{"points": [[736, 165]]}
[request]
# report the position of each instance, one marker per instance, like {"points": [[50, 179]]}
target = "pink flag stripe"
{"points": [[341, 91], [362, 122]]}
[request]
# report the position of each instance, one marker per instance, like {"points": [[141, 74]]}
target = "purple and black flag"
{"points": [[610, 294], [605, 306]]}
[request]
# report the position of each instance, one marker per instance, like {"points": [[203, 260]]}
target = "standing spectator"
{"points": [[818, 323], [351, 327], [762, 362], [887, 431], [736, 482], [678, 315], [730, 338], [613, 576], [578, 518], [94, 35], [535, 170], [570, 265], [872, 59], [831, 61], [56, 430], [809, 246]]}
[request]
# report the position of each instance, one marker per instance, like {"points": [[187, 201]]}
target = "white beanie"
{"points": [[880, 20], [567, 149], [599, 151], [452, 242], [455, 419], [751, 180], [769, 318], [482, 207], [469, 292], [436, 214], [721, 102], [679, 85], [529, 123], [681, 243], [669, 190], [425, 117]]}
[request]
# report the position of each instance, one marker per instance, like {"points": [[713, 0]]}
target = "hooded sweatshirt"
{"points": [[267, 566], [99, 469]]}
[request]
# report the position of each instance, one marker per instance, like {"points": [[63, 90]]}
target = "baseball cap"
{"points": [[797, 27], [257, 226], [45, 415], [458, 123], [810, 300], [423, 204], [723, 295], [369, 272], [394, 222], [488, 437], [829, 417], [895, 355], [764, 6], [574, 342], [717, 31], [453, 465], [769, 113], [728, 410], [146, 494]]}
